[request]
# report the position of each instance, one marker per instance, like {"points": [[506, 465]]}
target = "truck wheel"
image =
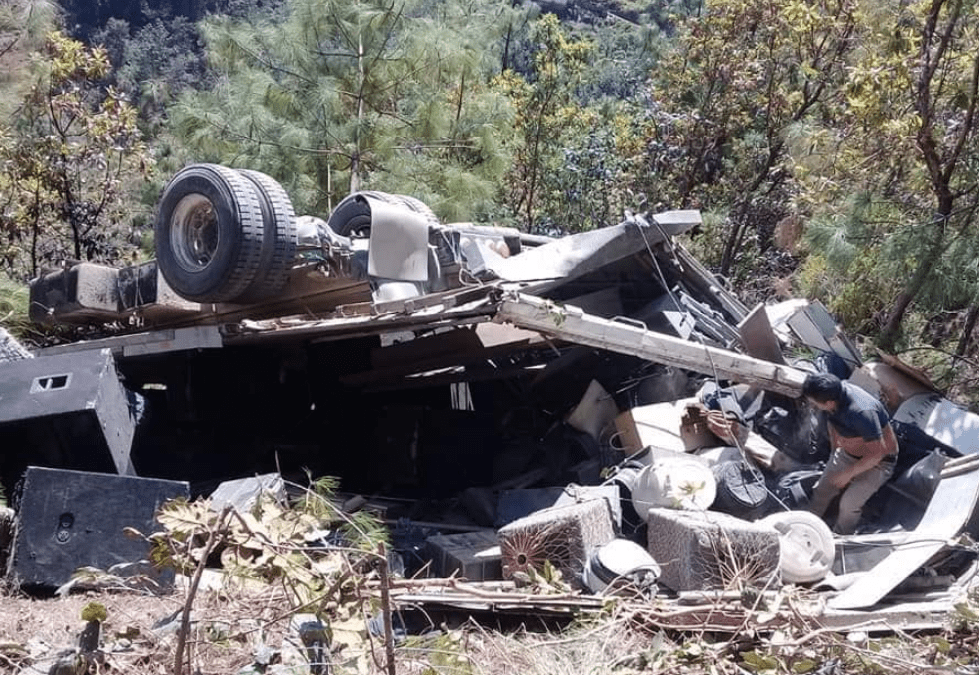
{"points": [[352, 216], [279, 239], [209, 233]]}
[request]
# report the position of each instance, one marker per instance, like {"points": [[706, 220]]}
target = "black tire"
{"points": [[279, 239], [352, 216], [209, 233]]}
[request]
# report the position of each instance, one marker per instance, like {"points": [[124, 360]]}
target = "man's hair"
{"points": [[822, 387]]}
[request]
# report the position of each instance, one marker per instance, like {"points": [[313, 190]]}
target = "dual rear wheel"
{"points": [[225, 235], [229, 235]]}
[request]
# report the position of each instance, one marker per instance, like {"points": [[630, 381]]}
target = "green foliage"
{"points": [[155, 63], [856, 298], [706, 243], [94, 611], [72, 147], [23, 27], [864, 295], [624, 54], [547, 116], [88, 18], [965, 615], [361, 529], [272, 543], [814, 280], [759, 662], [341, 96], [904, 131], [14, 299], [580, 191], [740, 76]]}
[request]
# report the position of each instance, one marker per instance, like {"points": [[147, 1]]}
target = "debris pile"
{"points": [[539, 425]]}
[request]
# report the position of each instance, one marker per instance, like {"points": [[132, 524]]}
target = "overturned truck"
{"points": [[481, 368]]}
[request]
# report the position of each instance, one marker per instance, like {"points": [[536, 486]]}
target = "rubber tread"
{"points": [[353, 214], [280, 237], [236, 264]]}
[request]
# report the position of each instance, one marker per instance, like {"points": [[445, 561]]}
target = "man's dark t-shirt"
{"points": [[859, 414]]}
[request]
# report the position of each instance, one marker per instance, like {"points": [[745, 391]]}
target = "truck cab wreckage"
{"points": [[603, 389]]}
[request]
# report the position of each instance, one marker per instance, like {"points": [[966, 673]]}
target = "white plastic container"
{"points": [[678, 482], [806, 545], [720, 454], [620, 560]]}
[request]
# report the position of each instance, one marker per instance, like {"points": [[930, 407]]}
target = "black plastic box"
{"points": [[71, 519]]}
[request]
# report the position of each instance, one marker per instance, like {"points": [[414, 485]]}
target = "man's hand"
{"points": [[840, 481]]}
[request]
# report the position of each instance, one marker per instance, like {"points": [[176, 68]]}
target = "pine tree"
{"points": [[891, 171], [341, 96]]}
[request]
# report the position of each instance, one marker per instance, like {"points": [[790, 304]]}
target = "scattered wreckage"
{"points": [[598, 401]]}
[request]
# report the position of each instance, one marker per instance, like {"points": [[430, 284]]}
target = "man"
{"points": [[864, 447]]}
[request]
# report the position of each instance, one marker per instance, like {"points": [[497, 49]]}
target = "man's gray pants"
{"points": [[854, 495]]}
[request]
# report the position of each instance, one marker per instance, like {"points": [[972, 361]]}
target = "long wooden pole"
{"points": [[570, 323]]}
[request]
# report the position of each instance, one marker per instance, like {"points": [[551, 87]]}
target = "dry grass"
{"points": [[233, 626], [35, 630], [601, 646]]}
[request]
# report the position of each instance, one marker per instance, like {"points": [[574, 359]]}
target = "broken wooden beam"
{"points": [[570, 323]]}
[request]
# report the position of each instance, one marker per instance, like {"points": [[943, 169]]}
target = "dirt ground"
{"points": [[34, 631], [139, 633], [233, 630]]}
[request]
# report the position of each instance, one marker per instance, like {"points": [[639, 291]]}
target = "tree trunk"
{"points": [[741, 212], [355, 156], [892, 327], [732, 244], [966, 337]]}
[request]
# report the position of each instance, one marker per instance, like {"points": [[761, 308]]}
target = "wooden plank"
{"points": [[430, 351], [571, 324], [915, 374], [292, 329], [178, 339], [949, 511]]}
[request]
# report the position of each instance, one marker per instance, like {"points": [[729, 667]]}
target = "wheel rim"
{"points": [[194, 232]]}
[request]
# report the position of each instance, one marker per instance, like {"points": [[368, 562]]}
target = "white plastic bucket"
{"points": [[617, 559], [677, 483]]}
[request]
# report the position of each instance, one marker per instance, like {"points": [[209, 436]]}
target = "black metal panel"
{"points": [[72, 519], [65, 411]]}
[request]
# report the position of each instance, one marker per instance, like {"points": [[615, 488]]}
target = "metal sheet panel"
{"points": [[399, 243], [53, 394], [943, 420], [50, 385]]}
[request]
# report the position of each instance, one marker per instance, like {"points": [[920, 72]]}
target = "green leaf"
{"points": [[757, 663], [94, 611]]}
